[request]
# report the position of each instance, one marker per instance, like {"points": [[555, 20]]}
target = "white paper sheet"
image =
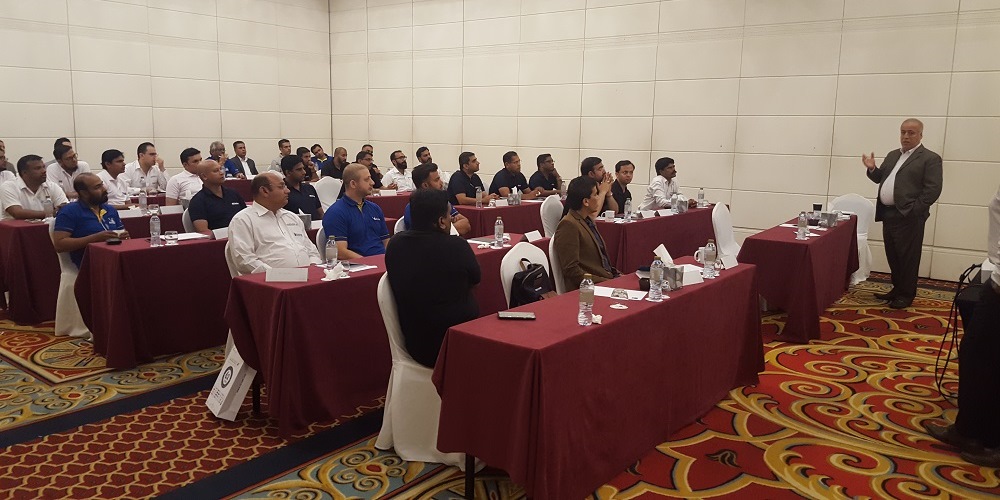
{"points": [[190, 236]]}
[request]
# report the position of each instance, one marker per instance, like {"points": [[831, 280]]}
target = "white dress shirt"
{"points": [[7, 176], [117, 188], [403, 180], [17, 194], [658, 193], [889, 183], [57, 174], [183, 186], [260, 239], [154, 179]]}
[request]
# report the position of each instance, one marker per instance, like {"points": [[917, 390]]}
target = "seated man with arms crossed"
{"points": [[426, 176], [431, 299], [185, 184], [24, 197], [265, 235], [579, 247], [89, 220], [357, 224], [215, 205]]}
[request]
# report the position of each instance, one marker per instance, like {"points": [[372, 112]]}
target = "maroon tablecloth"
{"points": [[631, 245], [159, 199], [134, 322], [241, 186], [30, 271], [803, 277], [522, 218], [320, 362], [392, 206], [564, 408]]}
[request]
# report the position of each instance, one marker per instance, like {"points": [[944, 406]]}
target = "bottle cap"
{"points": [[588, 276]]}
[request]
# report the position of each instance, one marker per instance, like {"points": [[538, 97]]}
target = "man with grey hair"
{"points": [[217, 152]]}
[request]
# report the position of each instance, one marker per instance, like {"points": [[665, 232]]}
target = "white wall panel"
{"points": [[172, 23], [923, 94], [113, 121], [437, 11], [553, 26], [974, 94], [553, 132], [782, 173], [973, 139], [111, 89], [683, 15], [807, 53], [36, 85], [618, 99], [800, 135], [713, 134], [173, 122], [788, 96], [623, 20], [619, 64], [249, 96], [615, 133], [549, 100], [694, 169], [489, 101], [437, 129], [793, 11], [879, 51], [437, 101], [544, 67], [716, 59], [697, 97]]}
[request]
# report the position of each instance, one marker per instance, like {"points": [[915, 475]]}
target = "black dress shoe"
{"points": [[900, 303], [987, 457], [949, 435], [886, 296]]}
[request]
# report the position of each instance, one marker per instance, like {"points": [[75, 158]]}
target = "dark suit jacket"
{"points": [[235, 165], [578, 252], [918, 182]]}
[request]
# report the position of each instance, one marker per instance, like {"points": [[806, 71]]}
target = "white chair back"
{"points": [[172, 209], [511, 263], [327, 188], [557, 274], [853, 202], [321, 243], [387, 306], [66, 264], [552, 209], [68, 320], [399, 227], [188, 223], [722, 223], [230, 263]]}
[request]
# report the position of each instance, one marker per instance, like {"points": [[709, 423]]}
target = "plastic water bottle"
{"points": [[154, 231], [498, 233], [673, 203], [711, 257], [655, 281], [143, 201], [330, 253], [701, 197], [517, 196], [803, 227], [586, 314], [562, 191], [628, 209], [479, 197], [47, 207]]}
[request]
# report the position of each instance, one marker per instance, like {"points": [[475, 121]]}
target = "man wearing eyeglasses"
{"points": [[66, 169]]}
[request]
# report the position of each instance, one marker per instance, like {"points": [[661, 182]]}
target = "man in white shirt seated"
{"points": [[25, 197], [141, 172], [113, 176], [265, 235], [397, 174], [66, 168], [663, 186], [284, 149], [184, 185]]}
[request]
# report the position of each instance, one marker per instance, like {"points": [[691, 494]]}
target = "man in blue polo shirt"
{"points": [[357, 224], [215, 205], [88, 220]]}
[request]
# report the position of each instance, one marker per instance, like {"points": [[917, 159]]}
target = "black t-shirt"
{"points": [[620, 194], [376, 176], [217, 211], [538, 179], [331, 170], [504, 178], [304, 198], [461, 183], [431, 298]]}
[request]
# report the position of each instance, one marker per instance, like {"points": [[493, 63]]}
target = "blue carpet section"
{"points": [[248, 474]]}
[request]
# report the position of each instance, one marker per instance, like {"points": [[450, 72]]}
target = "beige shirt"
{"points": [[183, 186], [260, 239], [17, 194], [117, 188], [63, 179], [154, 179], [658, 194]]}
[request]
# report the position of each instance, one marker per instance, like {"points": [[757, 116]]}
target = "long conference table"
{"points": [[321, 346], [631, 245], [563, 408], [522, 218]]}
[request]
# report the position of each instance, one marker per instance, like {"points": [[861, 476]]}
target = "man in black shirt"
{"points": [[365, 158], [431, 299], [546, 177], [511, 178], [619, 189], [336, 167], [462, 185], [215, 205], [301, 195]]}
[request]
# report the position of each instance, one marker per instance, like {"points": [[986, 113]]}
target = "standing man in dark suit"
{"points": [[909, 182], [239, 165]]}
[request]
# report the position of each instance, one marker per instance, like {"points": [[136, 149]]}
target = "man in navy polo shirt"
{"points": [[215, 205], [89, 220], [302, 197], [357, 224], [510, 178]]}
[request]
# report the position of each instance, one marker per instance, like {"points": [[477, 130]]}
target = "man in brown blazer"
{"points": [[579, 247], [909, 182]]}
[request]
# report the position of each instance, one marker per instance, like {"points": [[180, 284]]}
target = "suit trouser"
{"points": [[979, 373], [904, 237]]}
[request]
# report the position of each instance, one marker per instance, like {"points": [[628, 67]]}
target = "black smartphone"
{"points": [[516, 315]]}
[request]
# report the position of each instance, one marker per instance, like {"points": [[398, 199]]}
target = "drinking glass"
{"points": [[170, 237], [154, 209]]}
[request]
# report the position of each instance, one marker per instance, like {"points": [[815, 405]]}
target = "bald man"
{"points": [[89, 220], [357, 224], [215, 205]]}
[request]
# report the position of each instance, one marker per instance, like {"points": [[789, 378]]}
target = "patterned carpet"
{"points": [[837, 418]]}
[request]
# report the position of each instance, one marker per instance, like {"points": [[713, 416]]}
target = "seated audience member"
{"points": [[365, 158], [624, 170], [320, 159], [593, 167], [185, 184], [302, 197], [306, 158], [240, 166], [4, 163], [24, 197], [62, 141], [113, 177], [284, 149], [66, 168], [397, 175], [336, 167], [546, 178], [424, 155], [141, 172], [426, 176], [510, 178], [265, 235], [579, 246], [430, 299], [357, 224], [215, 205], [217, 152], [662, 186], [463, 183], [88, 220], [7, 176]]}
